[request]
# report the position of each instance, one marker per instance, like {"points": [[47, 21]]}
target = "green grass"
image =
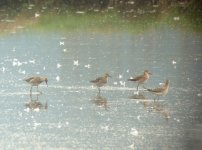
{"points": [[113, 21], [74, 22], [106, 22], [110, 21]]}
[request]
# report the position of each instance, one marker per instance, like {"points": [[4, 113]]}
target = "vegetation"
{"points": [[105, 15]]}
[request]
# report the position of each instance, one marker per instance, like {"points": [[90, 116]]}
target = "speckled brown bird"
{"points": [[162, 90], [35, 81], [141, 79], [100, 81]]}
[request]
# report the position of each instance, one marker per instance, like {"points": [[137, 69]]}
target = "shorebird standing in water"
{"points": [[35, 81], [101, 81], [141, 79], [160, 91]]}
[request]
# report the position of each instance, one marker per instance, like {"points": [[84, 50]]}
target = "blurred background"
{"points": [[74, 41], [99, 14]]}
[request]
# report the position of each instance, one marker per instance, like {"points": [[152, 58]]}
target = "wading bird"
{"points": [[100, 81], [141, 79], [35, 81], [160, 91]]}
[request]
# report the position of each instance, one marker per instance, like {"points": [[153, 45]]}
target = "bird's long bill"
{"points": [[150, 73]]}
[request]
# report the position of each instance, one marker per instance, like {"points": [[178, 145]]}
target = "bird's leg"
{"points": [[39, 92], [138, 86], [31, 90], [99, 90], [155, 98], [46, 106], [98, 94], [30, 96]]}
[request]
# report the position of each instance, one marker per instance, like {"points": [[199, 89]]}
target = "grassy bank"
{"points": [[114, 20], [109, 20]]}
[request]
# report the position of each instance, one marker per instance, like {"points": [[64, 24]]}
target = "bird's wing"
{"points": [[136, 78], [157, 90], [29, 79], [96, 80]]}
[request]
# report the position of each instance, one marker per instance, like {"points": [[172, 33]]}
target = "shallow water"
{"points": [[70, 114]]}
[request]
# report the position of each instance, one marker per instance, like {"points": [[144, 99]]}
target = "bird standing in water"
{"points": [[162, 90], [101, 81], [141, 79], [35, 81]]}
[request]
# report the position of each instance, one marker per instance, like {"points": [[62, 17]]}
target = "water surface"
{"points": [[70, 114]]}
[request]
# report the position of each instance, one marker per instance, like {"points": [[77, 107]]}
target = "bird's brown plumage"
{"points": [[35, 81], [141, 79], [162, 90], [100, 81]]}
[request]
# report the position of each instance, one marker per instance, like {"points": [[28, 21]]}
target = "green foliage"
{"points": [[72, 21], [68, 19]]}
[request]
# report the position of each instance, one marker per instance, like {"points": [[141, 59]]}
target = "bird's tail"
{"points": [[150, 90], [25, 79], [132, 80], [92, 81], [28, 79]]}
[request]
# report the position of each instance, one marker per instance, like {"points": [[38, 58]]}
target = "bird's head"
{"points": [[107, 75], [147, 71], [167, 82], [46, 80]]}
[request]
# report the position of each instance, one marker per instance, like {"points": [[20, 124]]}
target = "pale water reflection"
{"points": [[100, 101], [35, 104], [70, 115]]}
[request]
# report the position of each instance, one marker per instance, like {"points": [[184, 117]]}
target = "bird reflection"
{"points": [[152, 106], [138, 96], [161, 109], [100, 101], [142, 99], [35, 104]]}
